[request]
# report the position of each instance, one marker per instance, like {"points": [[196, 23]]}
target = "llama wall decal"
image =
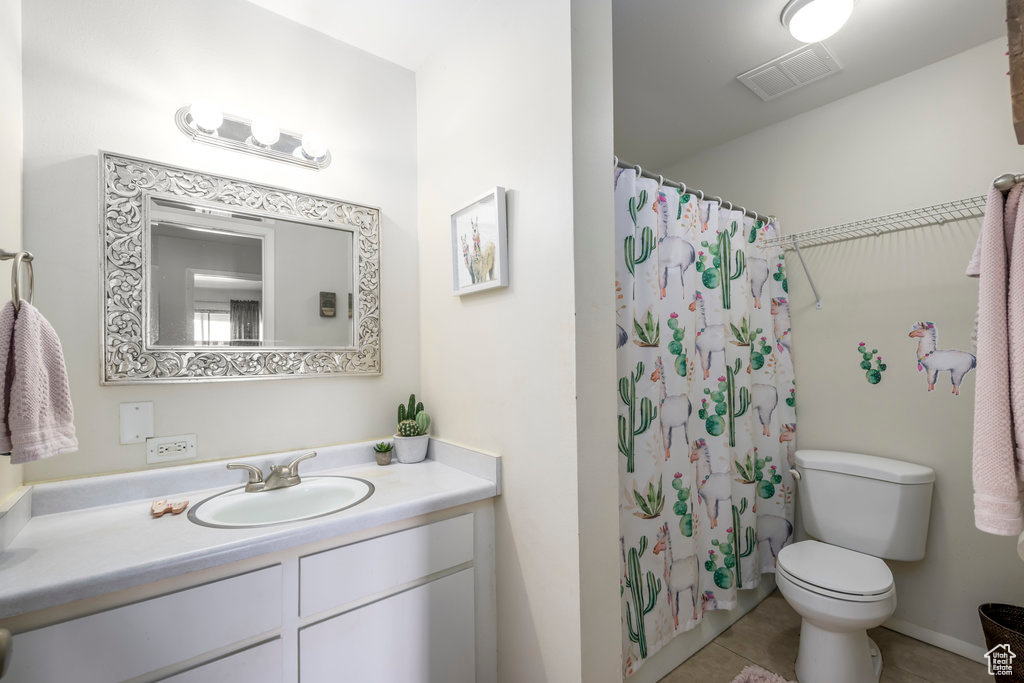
{"points": [[675, 410], [933, 361], [680, 574]]}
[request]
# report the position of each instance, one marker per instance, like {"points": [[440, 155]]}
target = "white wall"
{"points": [[10, 166], [110, 75], [936, 134], [494, 108], [594, 254]]}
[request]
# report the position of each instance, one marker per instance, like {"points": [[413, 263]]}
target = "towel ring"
{"points": [[26, 258]]}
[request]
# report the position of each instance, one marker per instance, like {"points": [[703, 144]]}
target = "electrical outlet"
{"points": [[163, 449]]}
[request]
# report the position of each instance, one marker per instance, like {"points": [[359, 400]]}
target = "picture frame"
{"points": [[480, 244]]}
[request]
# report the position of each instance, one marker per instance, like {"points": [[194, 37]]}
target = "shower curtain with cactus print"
{"points": [[707, 418]]}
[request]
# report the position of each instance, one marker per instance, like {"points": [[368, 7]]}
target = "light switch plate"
{"points": [[163, 449], [136, 422]]}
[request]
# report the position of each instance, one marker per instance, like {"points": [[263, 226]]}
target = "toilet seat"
{"points": [[836, 572]]}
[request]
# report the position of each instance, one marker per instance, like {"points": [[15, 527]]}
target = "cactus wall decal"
{"points": [[675, 347], [682, 506], [647, 242], [726, 265], [634, 425], [873, 375], [640, 606], [729, 404], [653, 503]]}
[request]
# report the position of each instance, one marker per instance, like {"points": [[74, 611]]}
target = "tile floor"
{"points": [[768, 636]]}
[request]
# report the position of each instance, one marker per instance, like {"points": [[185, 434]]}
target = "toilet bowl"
{"points": [[839, 594]]}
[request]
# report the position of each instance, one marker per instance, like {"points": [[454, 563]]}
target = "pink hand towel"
{"points": [[997, 505], [35, 406]]}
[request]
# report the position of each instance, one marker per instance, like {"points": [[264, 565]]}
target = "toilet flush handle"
{"points": [[795, 473]]}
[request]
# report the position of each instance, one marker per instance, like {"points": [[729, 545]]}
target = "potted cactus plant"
{"points": [[382, 450], [412, 434]]}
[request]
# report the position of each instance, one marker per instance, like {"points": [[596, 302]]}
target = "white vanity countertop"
{"points": [[62, 555]]}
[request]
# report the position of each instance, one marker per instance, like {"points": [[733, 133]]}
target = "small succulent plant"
{"points": [[383, 447], [412, 419]]}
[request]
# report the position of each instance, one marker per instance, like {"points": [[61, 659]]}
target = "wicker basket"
{"points": [[1004, 625]]}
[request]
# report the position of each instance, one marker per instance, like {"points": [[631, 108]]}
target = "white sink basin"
{"points": [[313, 497]]}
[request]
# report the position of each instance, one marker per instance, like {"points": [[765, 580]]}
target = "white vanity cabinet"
{"points": [[402, 607]]}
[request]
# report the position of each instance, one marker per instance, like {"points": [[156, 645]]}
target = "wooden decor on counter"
{"points": [[1015, 43]]}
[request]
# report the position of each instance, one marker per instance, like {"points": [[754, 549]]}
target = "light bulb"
{"points": [[206, 115], [811, 21], [314, 146], [265, 132]]}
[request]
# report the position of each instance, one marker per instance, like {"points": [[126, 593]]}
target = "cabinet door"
{"points": [[128, 641], [261, 663], [423, 635]]}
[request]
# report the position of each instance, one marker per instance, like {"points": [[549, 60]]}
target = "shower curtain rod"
{"points": [[662, 180]]}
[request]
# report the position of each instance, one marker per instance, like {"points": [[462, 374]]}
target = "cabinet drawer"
{"points": [[132, 640], [336, 577], [261, 663], [422, 635]]}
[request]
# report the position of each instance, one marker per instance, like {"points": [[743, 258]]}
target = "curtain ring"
{"points": [[701, 194], [682, 187], [661, 180], [717, 199], [744, 210], [639, 171], [616, 160], [19, 258], [729, 203]]}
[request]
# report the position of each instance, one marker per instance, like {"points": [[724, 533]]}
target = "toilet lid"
{"points": [[835, 569]]}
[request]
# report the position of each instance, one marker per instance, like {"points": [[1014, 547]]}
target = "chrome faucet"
{"points": [[281, 476]]}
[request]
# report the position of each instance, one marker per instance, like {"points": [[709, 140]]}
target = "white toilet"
{"points": [[860, 508]]}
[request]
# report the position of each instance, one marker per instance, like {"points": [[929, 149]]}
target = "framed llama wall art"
{"points": [[480, 244]]}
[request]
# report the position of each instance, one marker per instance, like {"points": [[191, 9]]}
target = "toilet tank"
{"points": [[877, 506]]}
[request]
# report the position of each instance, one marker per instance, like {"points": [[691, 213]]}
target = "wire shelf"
{"points": [[972, 207]]}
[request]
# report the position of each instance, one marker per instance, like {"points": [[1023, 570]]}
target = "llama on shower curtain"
{"points": [[707, 414]]}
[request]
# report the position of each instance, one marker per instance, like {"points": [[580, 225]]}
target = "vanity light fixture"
{"points": [[811, 21], [203, 121]]}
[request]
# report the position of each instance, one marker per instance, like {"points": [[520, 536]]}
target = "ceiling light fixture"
{"points": [[811, 21]]}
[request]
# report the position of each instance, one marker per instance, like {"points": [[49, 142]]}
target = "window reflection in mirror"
{"points": [[230, 279]]}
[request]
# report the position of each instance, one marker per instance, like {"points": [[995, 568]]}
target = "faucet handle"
{"points": [[293, 466], [255, 473]]}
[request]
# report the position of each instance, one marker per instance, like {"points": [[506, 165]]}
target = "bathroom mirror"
{"points": [[212, 278]]}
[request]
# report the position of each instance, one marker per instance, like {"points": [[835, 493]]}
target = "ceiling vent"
{"points": [[790, 71]]}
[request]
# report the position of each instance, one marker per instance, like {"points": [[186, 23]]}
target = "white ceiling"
{"points": [[401, 31], [676, 63]]}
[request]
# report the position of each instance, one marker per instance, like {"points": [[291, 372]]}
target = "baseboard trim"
{"points": [[940, 640]]}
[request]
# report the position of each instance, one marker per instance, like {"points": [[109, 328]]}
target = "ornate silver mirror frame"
{"points": [[127, 184]]}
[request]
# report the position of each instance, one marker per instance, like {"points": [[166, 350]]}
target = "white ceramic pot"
{"points": [[410, 449]]}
